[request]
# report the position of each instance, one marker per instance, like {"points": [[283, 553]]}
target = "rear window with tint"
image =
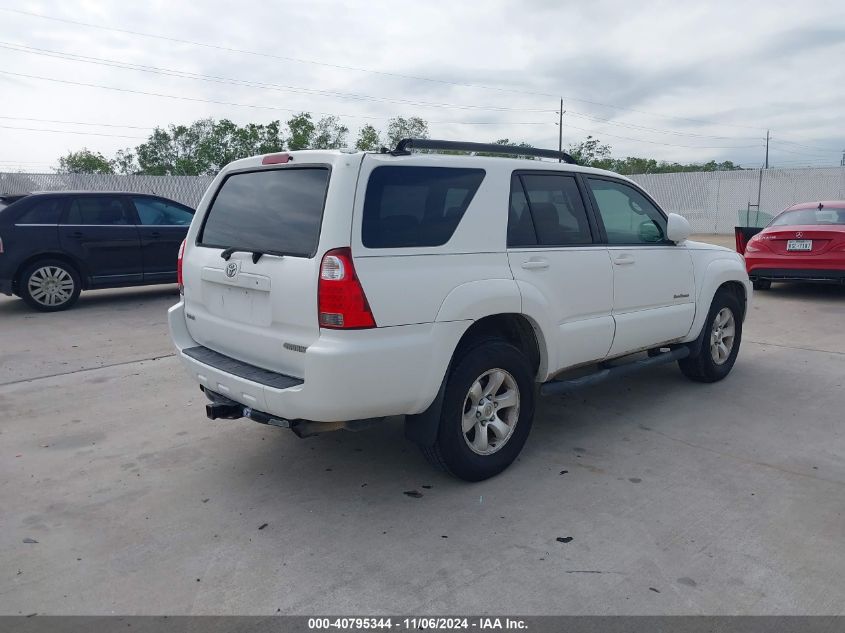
{"points": [[277, 211], [416, 206], [42, 212]]}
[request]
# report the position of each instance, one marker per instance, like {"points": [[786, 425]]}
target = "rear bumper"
{"points": [[798, 274], [6, 287], [349, 375]]}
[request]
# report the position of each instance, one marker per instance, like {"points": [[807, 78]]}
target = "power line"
{"points": [[32, 129], [249, 105], [101, 61], [659, 130], [20, 118], [642, 140], [365, 70]]}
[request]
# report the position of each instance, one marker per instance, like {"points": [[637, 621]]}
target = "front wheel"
{"points": [[722, 336], [488, 409], [49, 285]]}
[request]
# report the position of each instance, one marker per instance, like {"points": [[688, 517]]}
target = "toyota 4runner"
{"points": [[329, 289]]}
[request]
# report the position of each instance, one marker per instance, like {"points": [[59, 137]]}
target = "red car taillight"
{"points": [[341, 303], [179, 267]]}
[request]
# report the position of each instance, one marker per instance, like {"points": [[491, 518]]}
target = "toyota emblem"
{"points": [[231, 269]]}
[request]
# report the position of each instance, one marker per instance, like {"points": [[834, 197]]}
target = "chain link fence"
{"points": [[185, 189], [713, 202]]}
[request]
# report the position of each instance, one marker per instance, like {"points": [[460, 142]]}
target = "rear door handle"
{"points": [[77, 234], [535, 264], [625, 259], [155, 234]]}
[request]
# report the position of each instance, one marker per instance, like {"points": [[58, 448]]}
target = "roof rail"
{"points": [[404, 146]]}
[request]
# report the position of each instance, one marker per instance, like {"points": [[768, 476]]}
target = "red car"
{"points": [[806, 242]]}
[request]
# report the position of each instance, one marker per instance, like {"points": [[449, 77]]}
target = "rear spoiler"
{"points": [[743, 234]]}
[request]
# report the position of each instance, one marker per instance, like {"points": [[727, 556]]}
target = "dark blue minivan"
{"points": [[55, 244]]}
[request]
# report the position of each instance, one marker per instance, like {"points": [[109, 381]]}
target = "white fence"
{"points": [[713, 202]]}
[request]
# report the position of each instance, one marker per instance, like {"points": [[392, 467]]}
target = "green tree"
{"points": [[124, 162], [301, 131], [369, 139], [399, 128], [329, 133], [205, 146], [84, 162], [591, 152]]}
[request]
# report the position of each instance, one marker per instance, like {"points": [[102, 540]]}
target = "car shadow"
{"points": [[117, 297], [815, 291]]}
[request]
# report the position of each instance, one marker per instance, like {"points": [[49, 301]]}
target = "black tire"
{"points": [[451, 451], [703, 367], [62, 272], [762, 284]]}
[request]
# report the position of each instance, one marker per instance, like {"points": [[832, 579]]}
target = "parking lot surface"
{"points": [[650, 495]]}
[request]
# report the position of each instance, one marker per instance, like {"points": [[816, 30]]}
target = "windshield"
{"points": [[810, 217], [270, 211]]}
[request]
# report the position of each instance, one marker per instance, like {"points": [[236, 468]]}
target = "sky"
{"points": [[667, 80]]}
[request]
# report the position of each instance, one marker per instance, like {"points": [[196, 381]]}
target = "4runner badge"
{"points": [[231, 269]]}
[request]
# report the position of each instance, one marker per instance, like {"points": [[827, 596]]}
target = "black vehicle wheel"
{"points": [[762, 284], [49, 285], [487, 412], [723, 334]]}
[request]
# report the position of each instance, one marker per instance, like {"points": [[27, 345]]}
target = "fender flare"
{"points": [[718, 272]]}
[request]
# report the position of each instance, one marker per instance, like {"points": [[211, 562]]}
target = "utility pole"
{"points": [[767, 149], [560, 130]]}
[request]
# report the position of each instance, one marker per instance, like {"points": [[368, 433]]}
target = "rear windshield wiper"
{"points": [[256, 255]]}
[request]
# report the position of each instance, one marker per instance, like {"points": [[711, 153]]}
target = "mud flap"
{"points": [[422, 428]]}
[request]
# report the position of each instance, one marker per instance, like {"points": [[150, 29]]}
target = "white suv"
{"points": [[328, 289]]}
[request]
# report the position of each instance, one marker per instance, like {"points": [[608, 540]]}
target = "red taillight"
{"points": [[341, 303], [179, 267], [275, 159]]}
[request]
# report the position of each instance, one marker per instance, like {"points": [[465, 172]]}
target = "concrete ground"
{"points": [[678, 498]]}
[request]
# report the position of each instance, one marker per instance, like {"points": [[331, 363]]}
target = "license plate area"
{"points": [[799, 245]]}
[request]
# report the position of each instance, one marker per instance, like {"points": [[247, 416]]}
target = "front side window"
{"points": [[98, 210], [276, 211], [628, 216], [547, 210], [153, 212], [416, 206], [42, 212]]}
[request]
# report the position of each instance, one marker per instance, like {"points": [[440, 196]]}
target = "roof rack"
{"points": [[404, 146]]}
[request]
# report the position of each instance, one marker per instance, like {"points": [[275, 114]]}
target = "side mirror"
{"points": [[677, 229]]}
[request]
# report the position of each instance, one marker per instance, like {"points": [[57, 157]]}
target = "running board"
{"points": [[554, 387]]}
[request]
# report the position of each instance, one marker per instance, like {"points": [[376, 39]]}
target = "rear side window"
{"points": [[155, 212], [416, 206], [99, 210], [547, 210], [277, 211], [42, 212]]}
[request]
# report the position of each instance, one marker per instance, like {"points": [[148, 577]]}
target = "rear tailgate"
{"points": [[253, 254]]}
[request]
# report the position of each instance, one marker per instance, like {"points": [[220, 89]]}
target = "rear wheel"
{"points": [[487, 412], [762, 284], [49, 285], [722, 336]]}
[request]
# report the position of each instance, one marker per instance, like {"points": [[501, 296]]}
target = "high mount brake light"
{"points": [[276, 159], [341, 302]]}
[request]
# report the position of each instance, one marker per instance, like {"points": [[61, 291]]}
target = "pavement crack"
{"points": [[805, 349], [86, 369], [745, 460]]}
